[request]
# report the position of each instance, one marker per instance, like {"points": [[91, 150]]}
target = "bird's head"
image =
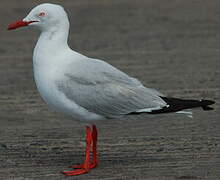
{"points": [[43, 16]]}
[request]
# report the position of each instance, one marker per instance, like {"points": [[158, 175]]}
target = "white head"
{"points": [[44, 16]]}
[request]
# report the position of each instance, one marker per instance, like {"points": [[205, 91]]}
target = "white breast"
{"points": [[45, 76]]}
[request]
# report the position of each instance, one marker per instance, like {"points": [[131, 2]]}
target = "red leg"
{"points": [[91, 139], [94, 145], [94, 162]]}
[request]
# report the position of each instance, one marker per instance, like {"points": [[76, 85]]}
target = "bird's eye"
{"points": [[42, 14]]}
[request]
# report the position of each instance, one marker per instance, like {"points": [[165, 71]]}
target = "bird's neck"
{"points": [[52, 40], [54, 37]]}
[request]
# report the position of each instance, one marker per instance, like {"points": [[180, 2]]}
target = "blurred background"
{"points": [[169, 45]]}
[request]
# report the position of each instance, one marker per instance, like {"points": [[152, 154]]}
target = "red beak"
{"points": [[18, 24]]}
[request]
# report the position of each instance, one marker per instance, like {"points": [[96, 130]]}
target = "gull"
{"points": [[85, 88]]}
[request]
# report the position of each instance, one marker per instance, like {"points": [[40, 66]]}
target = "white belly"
{"points": [[45, 79]]}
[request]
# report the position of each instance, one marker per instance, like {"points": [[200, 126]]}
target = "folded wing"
{"points": [[100, 88]]}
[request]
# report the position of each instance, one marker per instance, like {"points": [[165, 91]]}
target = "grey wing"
{"points": [[105, 90]]}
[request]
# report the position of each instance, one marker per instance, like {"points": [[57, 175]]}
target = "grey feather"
{"points": [[100, 88]]}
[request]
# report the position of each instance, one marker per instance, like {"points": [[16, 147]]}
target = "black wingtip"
{"points": [[206, 106], [208, 102], [176, 104]]}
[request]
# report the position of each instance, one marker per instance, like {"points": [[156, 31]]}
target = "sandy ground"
{"points": [[171, 45]]}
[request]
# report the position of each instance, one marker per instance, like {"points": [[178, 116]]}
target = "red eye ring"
{"points": [[42, 14]]}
